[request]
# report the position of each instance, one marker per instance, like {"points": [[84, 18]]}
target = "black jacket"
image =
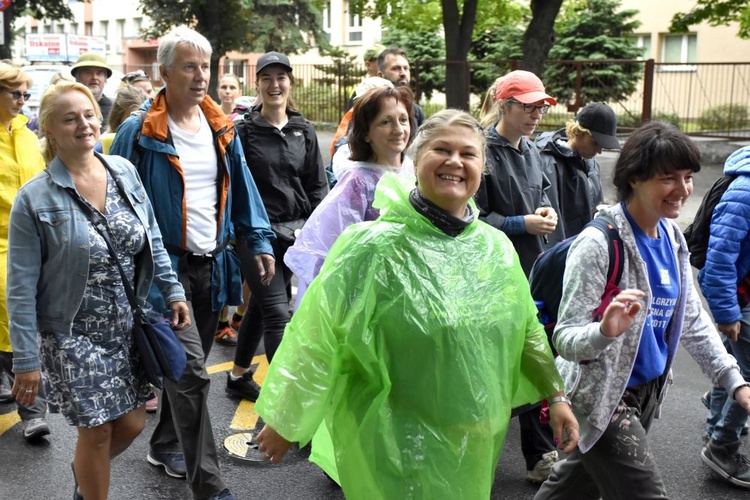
{"points": [[575, 185], [286, 164], [514, 185]]}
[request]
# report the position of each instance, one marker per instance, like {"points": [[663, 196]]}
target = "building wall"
{"points": [[713, 43]]}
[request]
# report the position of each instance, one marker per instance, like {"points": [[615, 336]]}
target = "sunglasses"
{"points": [[529, 108], [135, 75], [17, 94]]}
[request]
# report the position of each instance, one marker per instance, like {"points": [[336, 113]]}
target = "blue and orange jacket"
{"points": [[240, 207]]}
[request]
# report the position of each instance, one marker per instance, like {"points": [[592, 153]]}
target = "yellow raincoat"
{"points": [[413, 346], [20, 160]]}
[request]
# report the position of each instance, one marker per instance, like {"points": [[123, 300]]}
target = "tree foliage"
{"points": [[715, 13], [38, 9], [593, 29], [287, 26]]}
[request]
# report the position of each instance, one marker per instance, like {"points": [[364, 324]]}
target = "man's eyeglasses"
{"points": [[17, 94], [529, 108], [135, 76]]}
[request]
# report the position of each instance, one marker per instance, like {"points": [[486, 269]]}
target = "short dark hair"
{"points": [[366, 108], [390, 51], [655, 148]]}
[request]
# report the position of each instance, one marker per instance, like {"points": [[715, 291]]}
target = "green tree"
{"points": [[461, 21], [593, 29], [715, 13], [285, 26], [38, 9]]}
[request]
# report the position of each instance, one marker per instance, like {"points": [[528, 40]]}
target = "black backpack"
{"points": [[546, 278], [698, 232]]}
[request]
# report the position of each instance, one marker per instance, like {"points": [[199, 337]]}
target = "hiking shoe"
{"points": [[34, 429], [706, 399], [728, 462], [173, 463], [224, 494], [152, 403], [540, 472], [244, 387], [226, 336]]}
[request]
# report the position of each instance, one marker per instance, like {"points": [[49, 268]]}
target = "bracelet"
{"points": [[559, 399]]}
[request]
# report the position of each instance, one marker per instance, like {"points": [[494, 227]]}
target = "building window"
{"points": [[74, 28], [88, 28], [679, 49], [643, 42], [120, 26], [104, 29], [138, 25], [34, 30], [47, 28], [354, 28]]}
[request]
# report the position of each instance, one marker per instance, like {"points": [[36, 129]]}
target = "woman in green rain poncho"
{"points": [[416, 339]]}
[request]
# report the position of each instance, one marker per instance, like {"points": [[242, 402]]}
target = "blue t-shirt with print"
{"points": [[664, 279]]}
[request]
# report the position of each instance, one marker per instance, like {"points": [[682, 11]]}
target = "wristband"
{"points": [[559, 399]]}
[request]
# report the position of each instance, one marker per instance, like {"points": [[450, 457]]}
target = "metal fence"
{"points": [[710, 99]]}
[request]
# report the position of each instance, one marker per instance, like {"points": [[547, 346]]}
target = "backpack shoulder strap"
{"points": [[616, 250]]}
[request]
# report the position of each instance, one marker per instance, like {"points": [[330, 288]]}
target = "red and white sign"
{"points": [[4, 4], [56, 47]]}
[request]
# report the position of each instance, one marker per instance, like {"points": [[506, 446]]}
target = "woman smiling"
{"points": [[416, 339]]}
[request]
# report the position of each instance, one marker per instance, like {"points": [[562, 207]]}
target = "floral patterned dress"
{"points": [[93, 373]]}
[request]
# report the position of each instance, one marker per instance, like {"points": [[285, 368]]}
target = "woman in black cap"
{"points": [[282, 153], [569, 164]]}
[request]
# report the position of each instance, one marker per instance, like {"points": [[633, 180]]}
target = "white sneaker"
{"points": [[540, 472], [34, 429]]}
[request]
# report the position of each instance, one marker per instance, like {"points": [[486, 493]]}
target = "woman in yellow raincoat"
{"points": [[416, 339], [21, 159]]}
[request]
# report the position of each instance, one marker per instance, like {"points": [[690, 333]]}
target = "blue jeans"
{"points": [[727, 417]]}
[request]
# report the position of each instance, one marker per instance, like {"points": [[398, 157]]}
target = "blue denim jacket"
{"points": [[48, 256]]}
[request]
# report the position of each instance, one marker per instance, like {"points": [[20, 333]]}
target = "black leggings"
{"points": [[268, 309]]}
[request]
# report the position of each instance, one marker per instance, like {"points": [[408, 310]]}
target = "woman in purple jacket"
{"points": [[382, 128]]}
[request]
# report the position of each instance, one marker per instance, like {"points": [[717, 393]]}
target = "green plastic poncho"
{"points": [[413, 346]]}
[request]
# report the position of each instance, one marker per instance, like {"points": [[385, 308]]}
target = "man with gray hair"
{"points": [[194, 171]]}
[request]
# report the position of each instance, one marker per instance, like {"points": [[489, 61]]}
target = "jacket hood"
{"points": [[547, 142], [738, 162]]}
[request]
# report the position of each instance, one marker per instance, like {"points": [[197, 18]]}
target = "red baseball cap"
{"points": [[523, 86]]}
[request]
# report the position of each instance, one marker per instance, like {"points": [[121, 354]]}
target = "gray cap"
{"points": [[601, 121], [270, 58]]}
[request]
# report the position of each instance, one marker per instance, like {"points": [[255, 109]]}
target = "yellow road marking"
{"points": [[245, 417], [8, 420]]}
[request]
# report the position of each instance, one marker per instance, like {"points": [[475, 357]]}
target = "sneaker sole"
{"points": [[237, 394], [721, 472], [34, 436], [170, 472]]}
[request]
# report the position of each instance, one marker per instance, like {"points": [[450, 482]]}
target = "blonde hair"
{"points": [[489, 114], [574, 130], [47, 107], [128, 97], [439, 122], [12, 77]]}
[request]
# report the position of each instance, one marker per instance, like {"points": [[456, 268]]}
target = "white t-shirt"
{"points": [[200, 170]]}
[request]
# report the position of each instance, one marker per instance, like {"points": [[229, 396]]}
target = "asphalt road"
{"points": [[43, 471]]}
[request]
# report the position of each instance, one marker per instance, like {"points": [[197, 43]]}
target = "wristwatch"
{"points": [[562, 399]]}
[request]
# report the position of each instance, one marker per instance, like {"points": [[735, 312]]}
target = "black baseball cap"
{"points": [[270, 58], [601, 121]]}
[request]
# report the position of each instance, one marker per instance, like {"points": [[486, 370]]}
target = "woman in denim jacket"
{"points": [[67, 304]]}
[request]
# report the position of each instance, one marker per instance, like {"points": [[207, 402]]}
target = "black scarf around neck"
{"points": [[447, 223]]}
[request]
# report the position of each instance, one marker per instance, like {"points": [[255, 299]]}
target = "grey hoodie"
{"points": [[596, 386]]}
